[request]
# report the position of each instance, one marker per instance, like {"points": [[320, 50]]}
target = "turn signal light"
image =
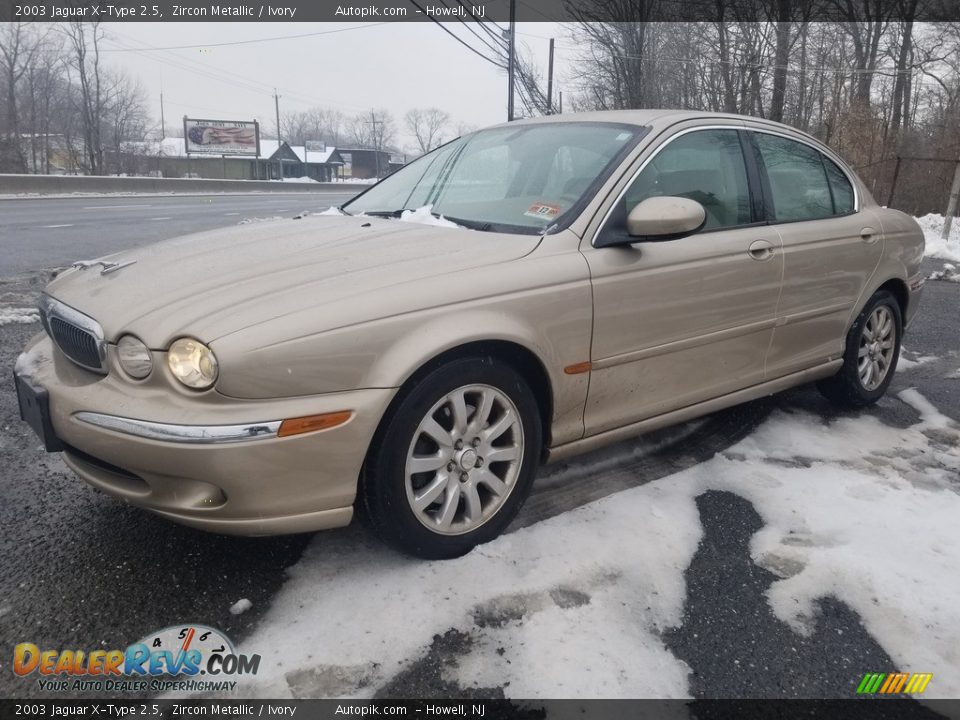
{"points": [[312, 423]]}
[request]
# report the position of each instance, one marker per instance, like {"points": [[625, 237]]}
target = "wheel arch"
{"points": [[897, 288], [519, 357]]}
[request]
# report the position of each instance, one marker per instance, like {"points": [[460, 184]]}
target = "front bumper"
{"points": [[206, 474]]}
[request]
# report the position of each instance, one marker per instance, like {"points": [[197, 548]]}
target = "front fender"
{"points": [[541, 303]]}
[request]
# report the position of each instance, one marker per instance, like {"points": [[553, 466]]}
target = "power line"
{"points": [[254, 40], [497, 50], [221, 75], [460, 40]]}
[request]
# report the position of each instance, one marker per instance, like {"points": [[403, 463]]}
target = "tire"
{"points": [[427, 488], [872, 350]]}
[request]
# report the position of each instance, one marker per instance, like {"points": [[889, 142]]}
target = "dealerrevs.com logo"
{"points": [[185, 658]]}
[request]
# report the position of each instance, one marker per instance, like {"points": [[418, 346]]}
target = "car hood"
{"points": [[215, 283]]}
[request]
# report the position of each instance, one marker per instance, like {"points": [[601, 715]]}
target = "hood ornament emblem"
{"points": [[108, 267]]}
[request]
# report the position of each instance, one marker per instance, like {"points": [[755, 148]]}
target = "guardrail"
{"points": [[67, 184]]}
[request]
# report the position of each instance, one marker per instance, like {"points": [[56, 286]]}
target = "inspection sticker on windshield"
{"points": [[543, 210]]}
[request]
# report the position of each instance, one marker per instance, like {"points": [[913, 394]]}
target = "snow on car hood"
{"points": [[214, 283]]}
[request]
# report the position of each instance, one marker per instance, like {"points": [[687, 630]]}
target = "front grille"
{"points": [[76, 343]]}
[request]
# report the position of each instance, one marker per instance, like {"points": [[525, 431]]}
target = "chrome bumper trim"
{"points": [[190, 434]]}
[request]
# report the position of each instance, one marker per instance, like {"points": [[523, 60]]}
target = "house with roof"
{"points": [[278, 159]]}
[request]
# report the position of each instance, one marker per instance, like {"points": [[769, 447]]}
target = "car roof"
{"points": [[662, 118], [645, 117]]}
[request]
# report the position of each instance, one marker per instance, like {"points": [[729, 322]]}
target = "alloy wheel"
{"points": [[464, 459]]}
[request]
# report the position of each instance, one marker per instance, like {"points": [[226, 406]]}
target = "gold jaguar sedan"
{"points": [[523, 293]]}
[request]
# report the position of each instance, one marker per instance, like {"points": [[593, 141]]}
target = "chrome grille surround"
{"points": [[78, 336]]}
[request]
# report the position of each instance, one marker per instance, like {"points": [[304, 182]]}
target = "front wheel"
{"points": [[454, 462], [870, 358]]}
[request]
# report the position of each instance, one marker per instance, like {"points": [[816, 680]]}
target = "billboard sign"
{"points": [[221, 137]]}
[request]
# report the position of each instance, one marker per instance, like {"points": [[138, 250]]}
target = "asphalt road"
{"points": [[78, 569], [53, 232]]}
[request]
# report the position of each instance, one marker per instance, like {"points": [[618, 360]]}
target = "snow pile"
{"points": [[295, 180], [331, 211], [240, 606], [354, 613], [932, 226], [356, 181], [424, 216], [19, 316], [852, 508], [30, 360]]}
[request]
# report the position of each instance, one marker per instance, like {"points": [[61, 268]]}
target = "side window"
{"points": [[706, 166], [840, 187], [798, 179]]}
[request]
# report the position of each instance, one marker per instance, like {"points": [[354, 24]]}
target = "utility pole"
{"points": [[952, 202], [561, 102], [276, 104], [163, 125], [550, 81], [511, 60], [376, 139]]}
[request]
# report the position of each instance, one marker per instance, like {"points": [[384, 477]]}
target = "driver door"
{"points": [[682, 321]]}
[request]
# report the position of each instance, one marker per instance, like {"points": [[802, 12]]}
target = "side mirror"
{"points": [[665, 218]]}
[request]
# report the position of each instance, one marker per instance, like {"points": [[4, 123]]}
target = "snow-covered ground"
{"points": [[937, 247], [575, 605], [18, 315]]}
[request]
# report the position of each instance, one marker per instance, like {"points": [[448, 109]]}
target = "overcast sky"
{"points": [[396, 66]]}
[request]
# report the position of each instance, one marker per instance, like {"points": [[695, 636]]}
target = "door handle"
{"points": [[868, 235], [760, 250]]}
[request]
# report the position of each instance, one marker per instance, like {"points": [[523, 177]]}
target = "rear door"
{"points": [[830, 249], [682, 321]]}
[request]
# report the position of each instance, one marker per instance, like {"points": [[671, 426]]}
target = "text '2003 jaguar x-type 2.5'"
{"points": [[567, 282]]}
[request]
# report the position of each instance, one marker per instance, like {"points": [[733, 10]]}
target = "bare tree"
{"points": [[84, 41], [317, 123], [375, 129], [125, 114], [18, 48], [426, 126]]}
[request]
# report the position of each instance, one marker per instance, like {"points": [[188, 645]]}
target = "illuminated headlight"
{"points": [[192, 363], [134, 357]]}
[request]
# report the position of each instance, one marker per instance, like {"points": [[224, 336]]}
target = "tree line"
{"points": [[875, 85], [60, 102]]}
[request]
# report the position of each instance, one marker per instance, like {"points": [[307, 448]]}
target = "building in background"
{"points": [[366, 163], [168, 158]]}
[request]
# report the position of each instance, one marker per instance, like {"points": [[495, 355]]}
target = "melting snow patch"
{"points": [[247, 221], [909, 359], [858, 510], [949, 274], [240, 606], [19, 316]]}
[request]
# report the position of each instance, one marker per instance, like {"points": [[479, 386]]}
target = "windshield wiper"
{"points": [[385, 213], [471, 224]]}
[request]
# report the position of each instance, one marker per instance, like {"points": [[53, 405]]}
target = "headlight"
{"points": [[134, 357], [192, 363]]}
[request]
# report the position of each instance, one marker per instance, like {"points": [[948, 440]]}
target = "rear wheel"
{"points": [[870, 358], [454, 462]]}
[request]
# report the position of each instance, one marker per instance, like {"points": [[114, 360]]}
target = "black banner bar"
{"points": [[469, 10], [861, 709]]}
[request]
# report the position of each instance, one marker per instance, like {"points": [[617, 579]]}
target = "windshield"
{"points": [[525, 178]]}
